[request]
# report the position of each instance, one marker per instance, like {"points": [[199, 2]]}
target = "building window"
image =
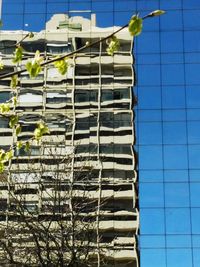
{"points": [[86, 123], [34, 46], [34, 151], [30, 98], [4, 122], [86, 96], [57, 97], [108, 119], [7, 46], [59, 48], [4, 96], [117, 94]]}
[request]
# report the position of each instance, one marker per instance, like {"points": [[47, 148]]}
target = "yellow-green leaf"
{"points": [[61, 65], [19, 144], [4, 107], [18, 54], [9, 155], [113, 45], [18, 129], [14, 81], [40, 131], [13, 121], [34, 67], [135, 25], [27, 147]]}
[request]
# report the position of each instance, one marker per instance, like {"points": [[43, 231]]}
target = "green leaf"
{"points": [[40, 131], [61, 65], [34, 67], [14, 81], [19, 144], [27, 147], [13, 121], [9, 155], [4, 107], [18, 54], [18, 129], [135, 25], [1, 23], [113, 45]]}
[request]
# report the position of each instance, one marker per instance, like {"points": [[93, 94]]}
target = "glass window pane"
{"points": [[176, 175], [194, 175], [193, 132], [191, 41], [168, 77], [151, 176], [148, 75], [177, 195], [150, 157], [174, 115], [153, 258], [152, 221], [180, 215], [194, 156], [195, 213], [151, 195], [152, 38], [178, 241], [171, 41], [196, 256], [195, 193], [173, 96], [173, 21], [175, 157], [193, 96], [149, 115], [150, 97], [174, 133], [4, 96], [192, 74], [152, 241], [191, 24], [150, 133], [179, 257]]}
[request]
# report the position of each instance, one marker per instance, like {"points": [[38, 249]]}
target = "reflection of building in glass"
{"points": [[89, 114]]}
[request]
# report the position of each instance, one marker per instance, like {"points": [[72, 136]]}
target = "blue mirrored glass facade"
{"points": [[167, 61]]}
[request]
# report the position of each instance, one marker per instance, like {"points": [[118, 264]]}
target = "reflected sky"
{"points": [[167, 115]]}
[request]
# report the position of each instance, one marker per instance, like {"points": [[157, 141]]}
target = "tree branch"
{"points": [[8, 75]]}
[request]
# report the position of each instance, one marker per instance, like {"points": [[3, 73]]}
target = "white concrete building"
{"points": [[90, 117]]}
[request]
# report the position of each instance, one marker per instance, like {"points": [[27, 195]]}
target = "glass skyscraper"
{"points": [[167, 115], [168, 143]]}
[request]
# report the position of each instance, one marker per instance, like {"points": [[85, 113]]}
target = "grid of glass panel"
{"points": [[168, 140], [167, 115]]}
